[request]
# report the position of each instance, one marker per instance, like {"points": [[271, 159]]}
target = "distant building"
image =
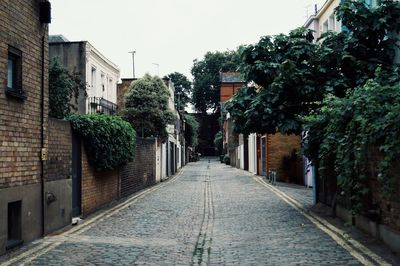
{"points": [[99, 73], [259, 153], [325, 19]]}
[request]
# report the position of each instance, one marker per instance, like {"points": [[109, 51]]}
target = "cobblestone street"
{"points": [[209, 213]]}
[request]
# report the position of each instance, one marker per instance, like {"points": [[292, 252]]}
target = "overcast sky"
{"points": [[172, 33]]}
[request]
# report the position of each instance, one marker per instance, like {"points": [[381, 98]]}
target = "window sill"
{"points": [[19, 95]]}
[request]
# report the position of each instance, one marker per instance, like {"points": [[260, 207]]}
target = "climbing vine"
{"points": [[109, 141], [342, 90]]}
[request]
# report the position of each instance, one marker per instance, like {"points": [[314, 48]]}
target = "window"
{"points": [[325, 26], [14, 73], [103, 85], [93, 79], [372, 3], [331, 24]]}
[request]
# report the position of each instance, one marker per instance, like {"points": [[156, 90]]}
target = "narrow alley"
{"points": [[208, 214]]}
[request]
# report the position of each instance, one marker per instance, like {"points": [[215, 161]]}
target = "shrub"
{"points": [[227, 160], [146, 107], [109, 141]]}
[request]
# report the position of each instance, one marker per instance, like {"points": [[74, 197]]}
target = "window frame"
{"points": [[15, 55]]}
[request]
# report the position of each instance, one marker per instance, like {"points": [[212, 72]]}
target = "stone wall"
{"points": [[140, 173]]}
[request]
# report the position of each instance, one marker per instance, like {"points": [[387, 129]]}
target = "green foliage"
{"points": [[218, 141], [343, 91], [191, 130], [146, 107], [238, 107], [294, 75], [63, 86], [109, 141], [206, 74], [227, 160], [283, 68], [183, 89], [346, 130]]}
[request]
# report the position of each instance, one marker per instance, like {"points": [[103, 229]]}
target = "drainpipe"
{"points": [[45, 19], [42, 135]]}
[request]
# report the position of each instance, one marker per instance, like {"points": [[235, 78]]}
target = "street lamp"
{"points": [[158, 68], [133, 61]]}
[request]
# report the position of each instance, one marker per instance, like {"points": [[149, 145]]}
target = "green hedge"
{"points": [[109, 141]]}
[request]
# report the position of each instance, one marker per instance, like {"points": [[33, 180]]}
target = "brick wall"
{"points": [[278, 146], [98, 188], [22, 33], [60, 150], [388, 205], [140, 173], [20, 121], [122, 88]]}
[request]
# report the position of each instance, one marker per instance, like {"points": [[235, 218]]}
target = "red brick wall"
{"points": [[122, 88], [228, 90], [20, 121], [98, 188], [278, 146]]}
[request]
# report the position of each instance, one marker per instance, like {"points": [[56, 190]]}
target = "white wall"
{"points": [[253, 153], [158, 161], [324, 15], [241, 156], [163, 161], [106, 75]]}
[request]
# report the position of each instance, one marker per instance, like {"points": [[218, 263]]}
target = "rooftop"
{"points": [[58, 38], [231, 77]]}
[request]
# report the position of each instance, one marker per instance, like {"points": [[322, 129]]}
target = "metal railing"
{"points": [[101, 105]]}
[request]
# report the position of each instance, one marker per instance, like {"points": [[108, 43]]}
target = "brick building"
{"points": [[23, 118], [259, 153]]}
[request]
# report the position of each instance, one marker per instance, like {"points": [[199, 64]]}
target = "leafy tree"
{"points": [[63, 86], [294, 74], [346, 130], [206, 74], [343, 91], [283, 68], [109, 141], [183, 89], [191, 130], [237, 107], [146, 107]]}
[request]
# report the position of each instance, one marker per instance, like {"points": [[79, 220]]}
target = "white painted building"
{"points": [[252, 153], [99, 73], [171, 150]]}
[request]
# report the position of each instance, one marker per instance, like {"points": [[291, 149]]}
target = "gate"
{"points": [[263, 156], [76, 175]]}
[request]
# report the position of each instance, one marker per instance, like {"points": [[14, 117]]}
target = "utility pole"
{"points": [[133, 61], [158, 68]]}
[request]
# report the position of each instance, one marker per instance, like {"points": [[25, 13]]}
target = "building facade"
{"points": [[98, 73], [23, 119]]}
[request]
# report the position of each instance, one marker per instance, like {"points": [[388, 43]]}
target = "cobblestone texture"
{"points": [[212, 214]]}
